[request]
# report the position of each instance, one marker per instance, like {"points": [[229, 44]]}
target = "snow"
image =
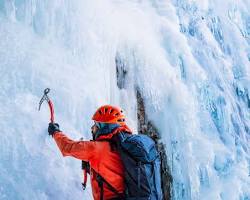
{"points": [[190, 60]]}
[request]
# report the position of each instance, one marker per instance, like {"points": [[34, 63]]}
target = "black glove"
{"points": [[53, 127]]}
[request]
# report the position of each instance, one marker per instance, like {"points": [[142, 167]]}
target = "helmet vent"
{"points": [[109, 114]]}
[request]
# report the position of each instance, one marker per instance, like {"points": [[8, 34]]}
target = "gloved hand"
{"points": [[53, 127]]}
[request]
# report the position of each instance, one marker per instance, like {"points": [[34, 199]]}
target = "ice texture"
{"points": [[190, 60]]}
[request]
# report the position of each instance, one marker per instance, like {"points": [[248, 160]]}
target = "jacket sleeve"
{"points": [[83, 150]]}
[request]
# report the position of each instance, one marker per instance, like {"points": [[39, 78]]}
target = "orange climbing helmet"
{"points": [[109, 114]]}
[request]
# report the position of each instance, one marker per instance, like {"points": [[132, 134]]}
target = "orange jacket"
{"points": [[102, 159]]}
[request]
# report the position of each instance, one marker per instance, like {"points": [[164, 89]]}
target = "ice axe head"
{"points": [[45, 97]]}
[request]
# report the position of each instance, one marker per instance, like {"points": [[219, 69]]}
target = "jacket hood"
{"points": [[109, 130]]}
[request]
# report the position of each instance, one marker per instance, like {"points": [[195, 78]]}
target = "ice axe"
{"points": [[45, 97]]}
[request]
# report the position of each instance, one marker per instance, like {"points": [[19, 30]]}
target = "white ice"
{"points": [[190, 59]]}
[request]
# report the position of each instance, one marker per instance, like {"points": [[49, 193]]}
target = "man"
{"points": [[104, 160]]}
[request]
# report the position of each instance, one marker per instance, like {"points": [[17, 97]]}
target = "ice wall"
{"points": [[189, 59]]}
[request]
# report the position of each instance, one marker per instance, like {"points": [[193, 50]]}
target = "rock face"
{"points": [[121, 72], [146, 127]]}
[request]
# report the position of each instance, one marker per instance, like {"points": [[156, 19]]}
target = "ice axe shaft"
{"points": [[45, 97], [51, 108]]}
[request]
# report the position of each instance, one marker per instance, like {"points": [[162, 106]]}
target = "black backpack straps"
{"points": [[85, 179], [86, 170], [100, 184], [100, 181]]}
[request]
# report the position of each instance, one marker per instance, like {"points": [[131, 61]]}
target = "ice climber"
{"points": [[103, 159]]}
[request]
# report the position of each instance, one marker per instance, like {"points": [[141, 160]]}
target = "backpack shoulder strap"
{"points": [[100, 181]]}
